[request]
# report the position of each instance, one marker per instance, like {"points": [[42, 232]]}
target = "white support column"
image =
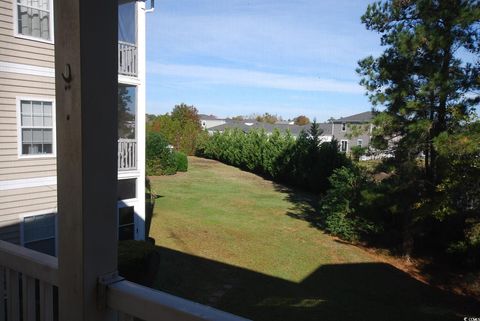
{"points": [[86, 96], [141, 110]]}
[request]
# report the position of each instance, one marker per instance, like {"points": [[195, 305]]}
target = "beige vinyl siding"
{"points": [[17, 202], [14, 85], [18, 50]]}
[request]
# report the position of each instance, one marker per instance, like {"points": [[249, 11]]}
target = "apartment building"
{"points": [[28, 196]]}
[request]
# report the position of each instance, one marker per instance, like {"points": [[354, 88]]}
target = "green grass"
{"points": [[233, 240]]}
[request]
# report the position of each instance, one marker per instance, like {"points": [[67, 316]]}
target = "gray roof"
{"points": [[364, 117], [207, 117], [269, 128]]}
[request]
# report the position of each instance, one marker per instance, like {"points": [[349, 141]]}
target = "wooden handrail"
{"points": [[35, 264], [151, 305], [129, 299]]}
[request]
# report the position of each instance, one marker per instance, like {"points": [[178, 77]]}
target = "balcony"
{"points": [[127, 59], [29, 292], [127, 154]]}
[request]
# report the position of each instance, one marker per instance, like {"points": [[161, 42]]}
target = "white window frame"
{"points": [[346, 145], [44, 212], [360, 142], [16, 32], [19, 127]]}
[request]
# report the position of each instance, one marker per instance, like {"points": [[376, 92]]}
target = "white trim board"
{"points": [[128, 174], [122, 79], [27, 183], [26, 69], [50, 72]]}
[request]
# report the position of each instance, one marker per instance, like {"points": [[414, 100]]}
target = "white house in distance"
{"points": [[209, 121], [28, 197]]}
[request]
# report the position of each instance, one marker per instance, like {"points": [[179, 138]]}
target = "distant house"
{"points": [[354, 130], [209, 121]]}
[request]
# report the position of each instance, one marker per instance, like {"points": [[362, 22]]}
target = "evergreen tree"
{"points": [[427, 76], [427, 80]]}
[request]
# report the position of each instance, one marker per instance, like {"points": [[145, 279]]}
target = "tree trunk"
{"points": [[407, 245]]}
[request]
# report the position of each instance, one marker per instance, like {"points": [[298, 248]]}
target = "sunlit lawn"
{"points": [[229, 239]]}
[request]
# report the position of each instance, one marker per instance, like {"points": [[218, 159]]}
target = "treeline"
{"points": [[301, 162], [394, 205], [272, 118]]}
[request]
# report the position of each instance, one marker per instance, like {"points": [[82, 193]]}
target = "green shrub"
{"points": [[160, 157], [342, 210], [133, 259], [181, 161]]}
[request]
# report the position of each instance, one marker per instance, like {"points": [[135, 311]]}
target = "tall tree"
{"points": [[186, 115], [315, 133], [428, 76], [181, 128], [301, 120]]}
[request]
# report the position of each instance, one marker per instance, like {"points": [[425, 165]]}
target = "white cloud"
{"points": [[279, 35], [203, 75]]}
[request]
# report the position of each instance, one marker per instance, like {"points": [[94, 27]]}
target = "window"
{"points": [[36, 128], [127, 189], [127, 101], [126, 223], [34, 19], [344, 146], [344, 127], [127, 23], [359, 142], [39, 233]]}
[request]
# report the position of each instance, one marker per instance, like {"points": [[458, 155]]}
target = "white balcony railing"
{"points": [[127, 59], [28, 286], [127, 154]]}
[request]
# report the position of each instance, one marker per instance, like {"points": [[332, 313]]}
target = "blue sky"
{"points": [[238, 57]]}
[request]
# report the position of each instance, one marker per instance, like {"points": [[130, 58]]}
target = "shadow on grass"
{"points": [[367, 291], [305, 206]]}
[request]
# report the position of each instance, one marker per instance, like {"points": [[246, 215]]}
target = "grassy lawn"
{"points": [[233, 240]]}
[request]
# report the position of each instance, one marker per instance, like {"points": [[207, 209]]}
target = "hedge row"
{"points": [[302, 162]]}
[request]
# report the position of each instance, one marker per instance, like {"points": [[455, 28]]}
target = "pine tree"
{"points": [[427, 79]]}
